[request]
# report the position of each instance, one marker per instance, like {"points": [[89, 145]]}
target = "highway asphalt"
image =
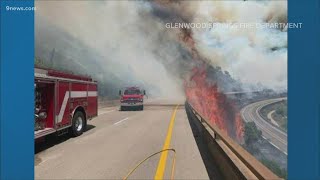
{"points": [[273, 134], [116, 141]]}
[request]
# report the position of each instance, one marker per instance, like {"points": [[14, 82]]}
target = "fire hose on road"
{"points": [[144, 160]]}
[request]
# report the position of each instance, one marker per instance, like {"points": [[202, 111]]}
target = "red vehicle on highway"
{"points": [[63, 102], [132, 97]]}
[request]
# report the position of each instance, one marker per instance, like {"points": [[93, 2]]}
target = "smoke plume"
{"points": [[251, 55], [125, 42]]}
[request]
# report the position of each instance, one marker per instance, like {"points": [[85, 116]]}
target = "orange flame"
{"points": [[212, 104]]}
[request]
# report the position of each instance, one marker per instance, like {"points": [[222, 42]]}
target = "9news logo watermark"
{"points": [[20, 8]]}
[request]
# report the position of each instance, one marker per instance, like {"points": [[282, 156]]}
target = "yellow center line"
{"points": [[163, 158]]}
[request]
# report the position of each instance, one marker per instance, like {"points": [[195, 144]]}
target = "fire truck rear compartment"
{"points": [[45, 102]]}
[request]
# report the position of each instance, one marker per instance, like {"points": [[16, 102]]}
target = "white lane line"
{"points": [[107, 108], [105, 112], [121, 121], [277, 148], [275, 145]]}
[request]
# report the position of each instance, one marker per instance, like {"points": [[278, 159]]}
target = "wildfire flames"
{"points": [[212, 104], [205, 97]]}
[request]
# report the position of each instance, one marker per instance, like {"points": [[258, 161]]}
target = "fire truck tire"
{"points": [[78, 124], [122, 108], [141, 108]]}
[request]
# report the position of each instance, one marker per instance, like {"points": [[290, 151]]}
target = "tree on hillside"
{"points": [[252, 135]]}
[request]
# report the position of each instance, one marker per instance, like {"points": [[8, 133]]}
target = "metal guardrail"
{"points": [[256, 167]]}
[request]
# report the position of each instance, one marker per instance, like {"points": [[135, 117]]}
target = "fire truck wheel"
{"points": [[141, 108], [78, 123]]}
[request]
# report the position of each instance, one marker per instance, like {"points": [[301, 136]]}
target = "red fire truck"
{"points": [[63, 102], [132, 97]]}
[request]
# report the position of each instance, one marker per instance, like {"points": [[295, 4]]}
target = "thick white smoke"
{"points": [[135, 45], [252, 55], [124, 33]]}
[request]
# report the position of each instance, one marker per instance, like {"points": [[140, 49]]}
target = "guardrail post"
{"points": [[215, 136]]}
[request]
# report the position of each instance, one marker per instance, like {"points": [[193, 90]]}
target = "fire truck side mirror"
{"points": [[42, 115], [144, 92], [120, 93]]}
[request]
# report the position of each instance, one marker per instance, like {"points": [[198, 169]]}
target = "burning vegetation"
{"points": [[204, 94], [212, 104]]}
